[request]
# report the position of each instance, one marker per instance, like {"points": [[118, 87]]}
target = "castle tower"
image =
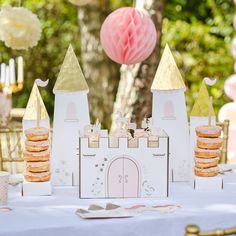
{"points": [[169, 113], [199, 116], [71, 114]]}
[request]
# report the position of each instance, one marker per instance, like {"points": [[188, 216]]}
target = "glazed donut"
{"points": [[209, 143], [36, 167], [37, 134], [206, 163], [207, 153], [208, 172], [37, 177], [208, 131], [36, 146], [36, 156]]}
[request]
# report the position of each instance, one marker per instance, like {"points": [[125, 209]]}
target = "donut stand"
{"points": [[204, 169], [37, 170]]}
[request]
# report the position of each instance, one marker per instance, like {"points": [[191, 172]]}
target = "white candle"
{"points": [[20, 70], [7, 78], [12, 71], [3, 73]]}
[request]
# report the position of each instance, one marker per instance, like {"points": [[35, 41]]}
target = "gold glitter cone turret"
{"points": [[70, 78], [201, 105], [168, 76], [31, 108]]}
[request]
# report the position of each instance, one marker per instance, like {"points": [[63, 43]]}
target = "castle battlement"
{"points": [[114, 166], [112, 142]]}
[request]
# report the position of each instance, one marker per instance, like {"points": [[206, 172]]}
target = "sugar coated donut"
{"points": [[207, 172], [36, 156], [209, 143], [206, 163], [208, 131], [37, 134], [36, 146], [207, 153], [40, 166], [37, 177]]}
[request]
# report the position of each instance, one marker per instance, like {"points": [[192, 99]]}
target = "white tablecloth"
{"points": [[55, 215]]}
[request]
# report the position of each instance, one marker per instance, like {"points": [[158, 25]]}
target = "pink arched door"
{"points": [[115, 178], [123, 178], [131, 178]]}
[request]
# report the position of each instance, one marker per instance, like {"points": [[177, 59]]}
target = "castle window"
{"points": [[71, 113], [169, 111]]}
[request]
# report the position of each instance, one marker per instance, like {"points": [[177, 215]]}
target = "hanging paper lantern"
{"points": [[19, 27], [128, 36], [230, 87], [233, 48]]}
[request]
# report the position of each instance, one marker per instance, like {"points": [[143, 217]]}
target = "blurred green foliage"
{"points": [[198, 32]]}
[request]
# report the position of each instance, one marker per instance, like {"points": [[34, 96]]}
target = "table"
{"points": [[55, 215]]}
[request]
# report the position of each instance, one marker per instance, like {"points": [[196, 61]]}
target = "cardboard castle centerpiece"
{"points": [[36, 116], [169, 113], [71, 114], [124, 168], [105, 168], [145, 171]]}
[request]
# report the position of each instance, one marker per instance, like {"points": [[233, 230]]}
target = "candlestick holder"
{"points": [[15, 88], [8, 86]]}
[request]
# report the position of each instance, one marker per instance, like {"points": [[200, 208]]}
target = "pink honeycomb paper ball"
{"points": [[128, 36]]}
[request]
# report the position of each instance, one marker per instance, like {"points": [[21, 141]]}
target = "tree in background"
{"points": [[101, 73]]}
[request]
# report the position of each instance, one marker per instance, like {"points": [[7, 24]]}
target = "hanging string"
{"points": [[139, 4]]}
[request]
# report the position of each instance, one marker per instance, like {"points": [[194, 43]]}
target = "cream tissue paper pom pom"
{"points": [[19, 27]]}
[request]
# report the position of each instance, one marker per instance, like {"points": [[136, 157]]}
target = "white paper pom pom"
{"points": [[19, 27]]}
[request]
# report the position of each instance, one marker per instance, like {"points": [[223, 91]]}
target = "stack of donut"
{"points": [[208, 150], [37, 155]]}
